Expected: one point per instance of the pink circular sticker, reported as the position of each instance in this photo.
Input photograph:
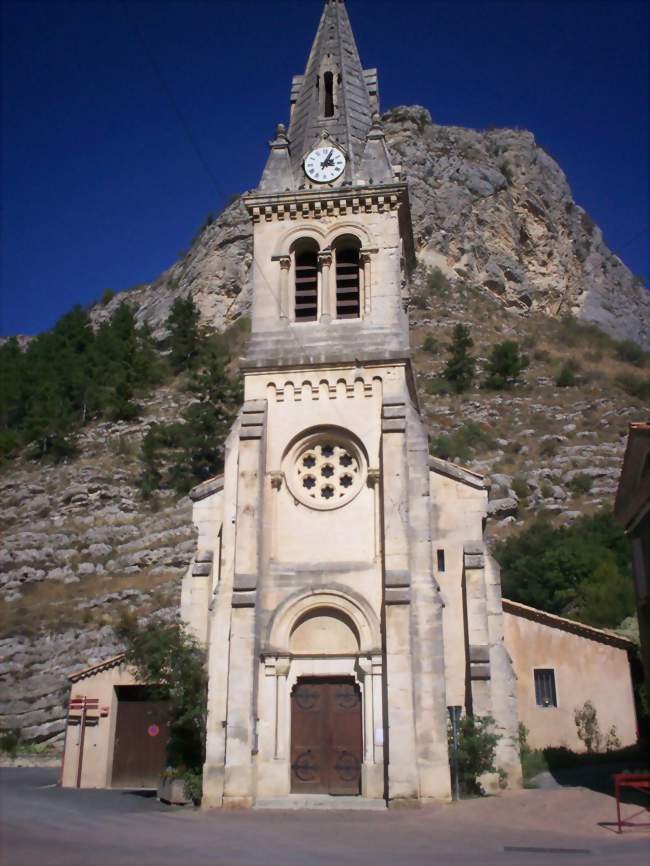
(153, 730)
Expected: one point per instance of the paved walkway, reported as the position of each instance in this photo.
(43, 825)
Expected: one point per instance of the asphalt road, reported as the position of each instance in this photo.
(43, 825)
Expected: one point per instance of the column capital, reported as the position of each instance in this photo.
(325, 257)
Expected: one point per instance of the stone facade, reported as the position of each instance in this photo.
(333, 549)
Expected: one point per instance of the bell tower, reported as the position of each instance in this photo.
(320, 604)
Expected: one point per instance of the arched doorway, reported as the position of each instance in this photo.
(321, 706)
(326, 717)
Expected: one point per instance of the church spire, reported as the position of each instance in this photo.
(335, 95)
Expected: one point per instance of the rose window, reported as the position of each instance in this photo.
(325, 472)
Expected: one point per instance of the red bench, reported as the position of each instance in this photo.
(637, 781)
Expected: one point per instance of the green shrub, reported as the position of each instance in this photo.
(10, 741)
(437, 283)
(566, 377)
(635, 386)
(581, 570)
(430, 345)
(533, 761)
(506, 170)
(549, 448)
(107, 297)
(476, 748)
(631, 353)
(462, 443)
(568, 332)
(581, 484)
(459, 369)
(420, 301)
(505, 366)
(588, 730)
(520, 487)
(437, 385)
(546, 489)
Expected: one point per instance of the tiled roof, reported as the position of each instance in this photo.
(561, 622)
(106, 665)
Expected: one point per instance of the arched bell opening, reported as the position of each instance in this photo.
(347, 254)
(305, 256)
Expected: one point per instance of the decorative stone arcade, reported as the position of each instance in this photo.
(341, 582)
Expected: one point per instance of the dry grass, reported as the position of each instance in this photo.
(57, 603)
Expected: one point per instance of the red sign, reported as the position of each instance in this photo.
(153, 730)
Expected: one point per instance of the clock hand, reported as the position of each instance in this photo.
(327, 159)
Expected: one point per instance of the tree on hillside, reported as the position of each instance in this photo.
(459, 369)
(581, 571)
(184, 453)
(184, 336)
(72, 375)
(505, 365)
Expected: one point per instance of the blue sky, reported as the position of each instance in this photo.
(125, 123)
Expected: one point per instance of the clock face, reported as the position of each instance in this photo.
(324, 164)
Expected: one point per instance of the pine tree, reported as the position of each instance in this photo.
(505, 365)
(184, 335)
(459, 369)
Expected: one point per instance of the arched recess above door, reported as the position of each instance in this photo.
(350, 610)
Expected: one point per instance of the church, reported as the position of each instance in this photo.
(342, 584)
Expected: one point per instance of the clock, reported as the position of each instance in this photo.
(324, 164)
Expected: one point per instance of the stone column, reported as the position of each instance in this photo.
(427, 643)
(273, 774)
(491, 686)
(219, 638)
(328, 291)
(400, 722)
(503, 682)
(477, 640)
(242, 710)
(285, 265)
(365, 259)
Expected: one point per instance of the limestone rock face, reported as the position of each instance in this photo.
(215, 272)
(496, 210)
(492, 209)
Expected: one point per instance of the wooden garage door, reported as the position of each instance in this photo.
(326, 744)
(141, 736)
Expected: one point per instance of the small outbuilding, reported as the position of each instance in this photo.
(560, 664)
(117, 731)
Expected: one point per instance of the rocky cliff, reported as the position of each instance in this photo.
(491, 209)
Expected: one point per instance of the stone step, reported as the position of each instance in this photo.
(296, 802)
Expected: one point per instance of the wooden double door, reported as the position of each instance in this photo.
(326, 741)
(141, 737)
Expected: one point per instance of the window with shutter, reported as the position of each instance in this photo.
(347, 282)
(306, 293)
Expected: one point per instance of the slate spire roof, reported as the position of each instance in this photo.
(334, 49)
(354, 100)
